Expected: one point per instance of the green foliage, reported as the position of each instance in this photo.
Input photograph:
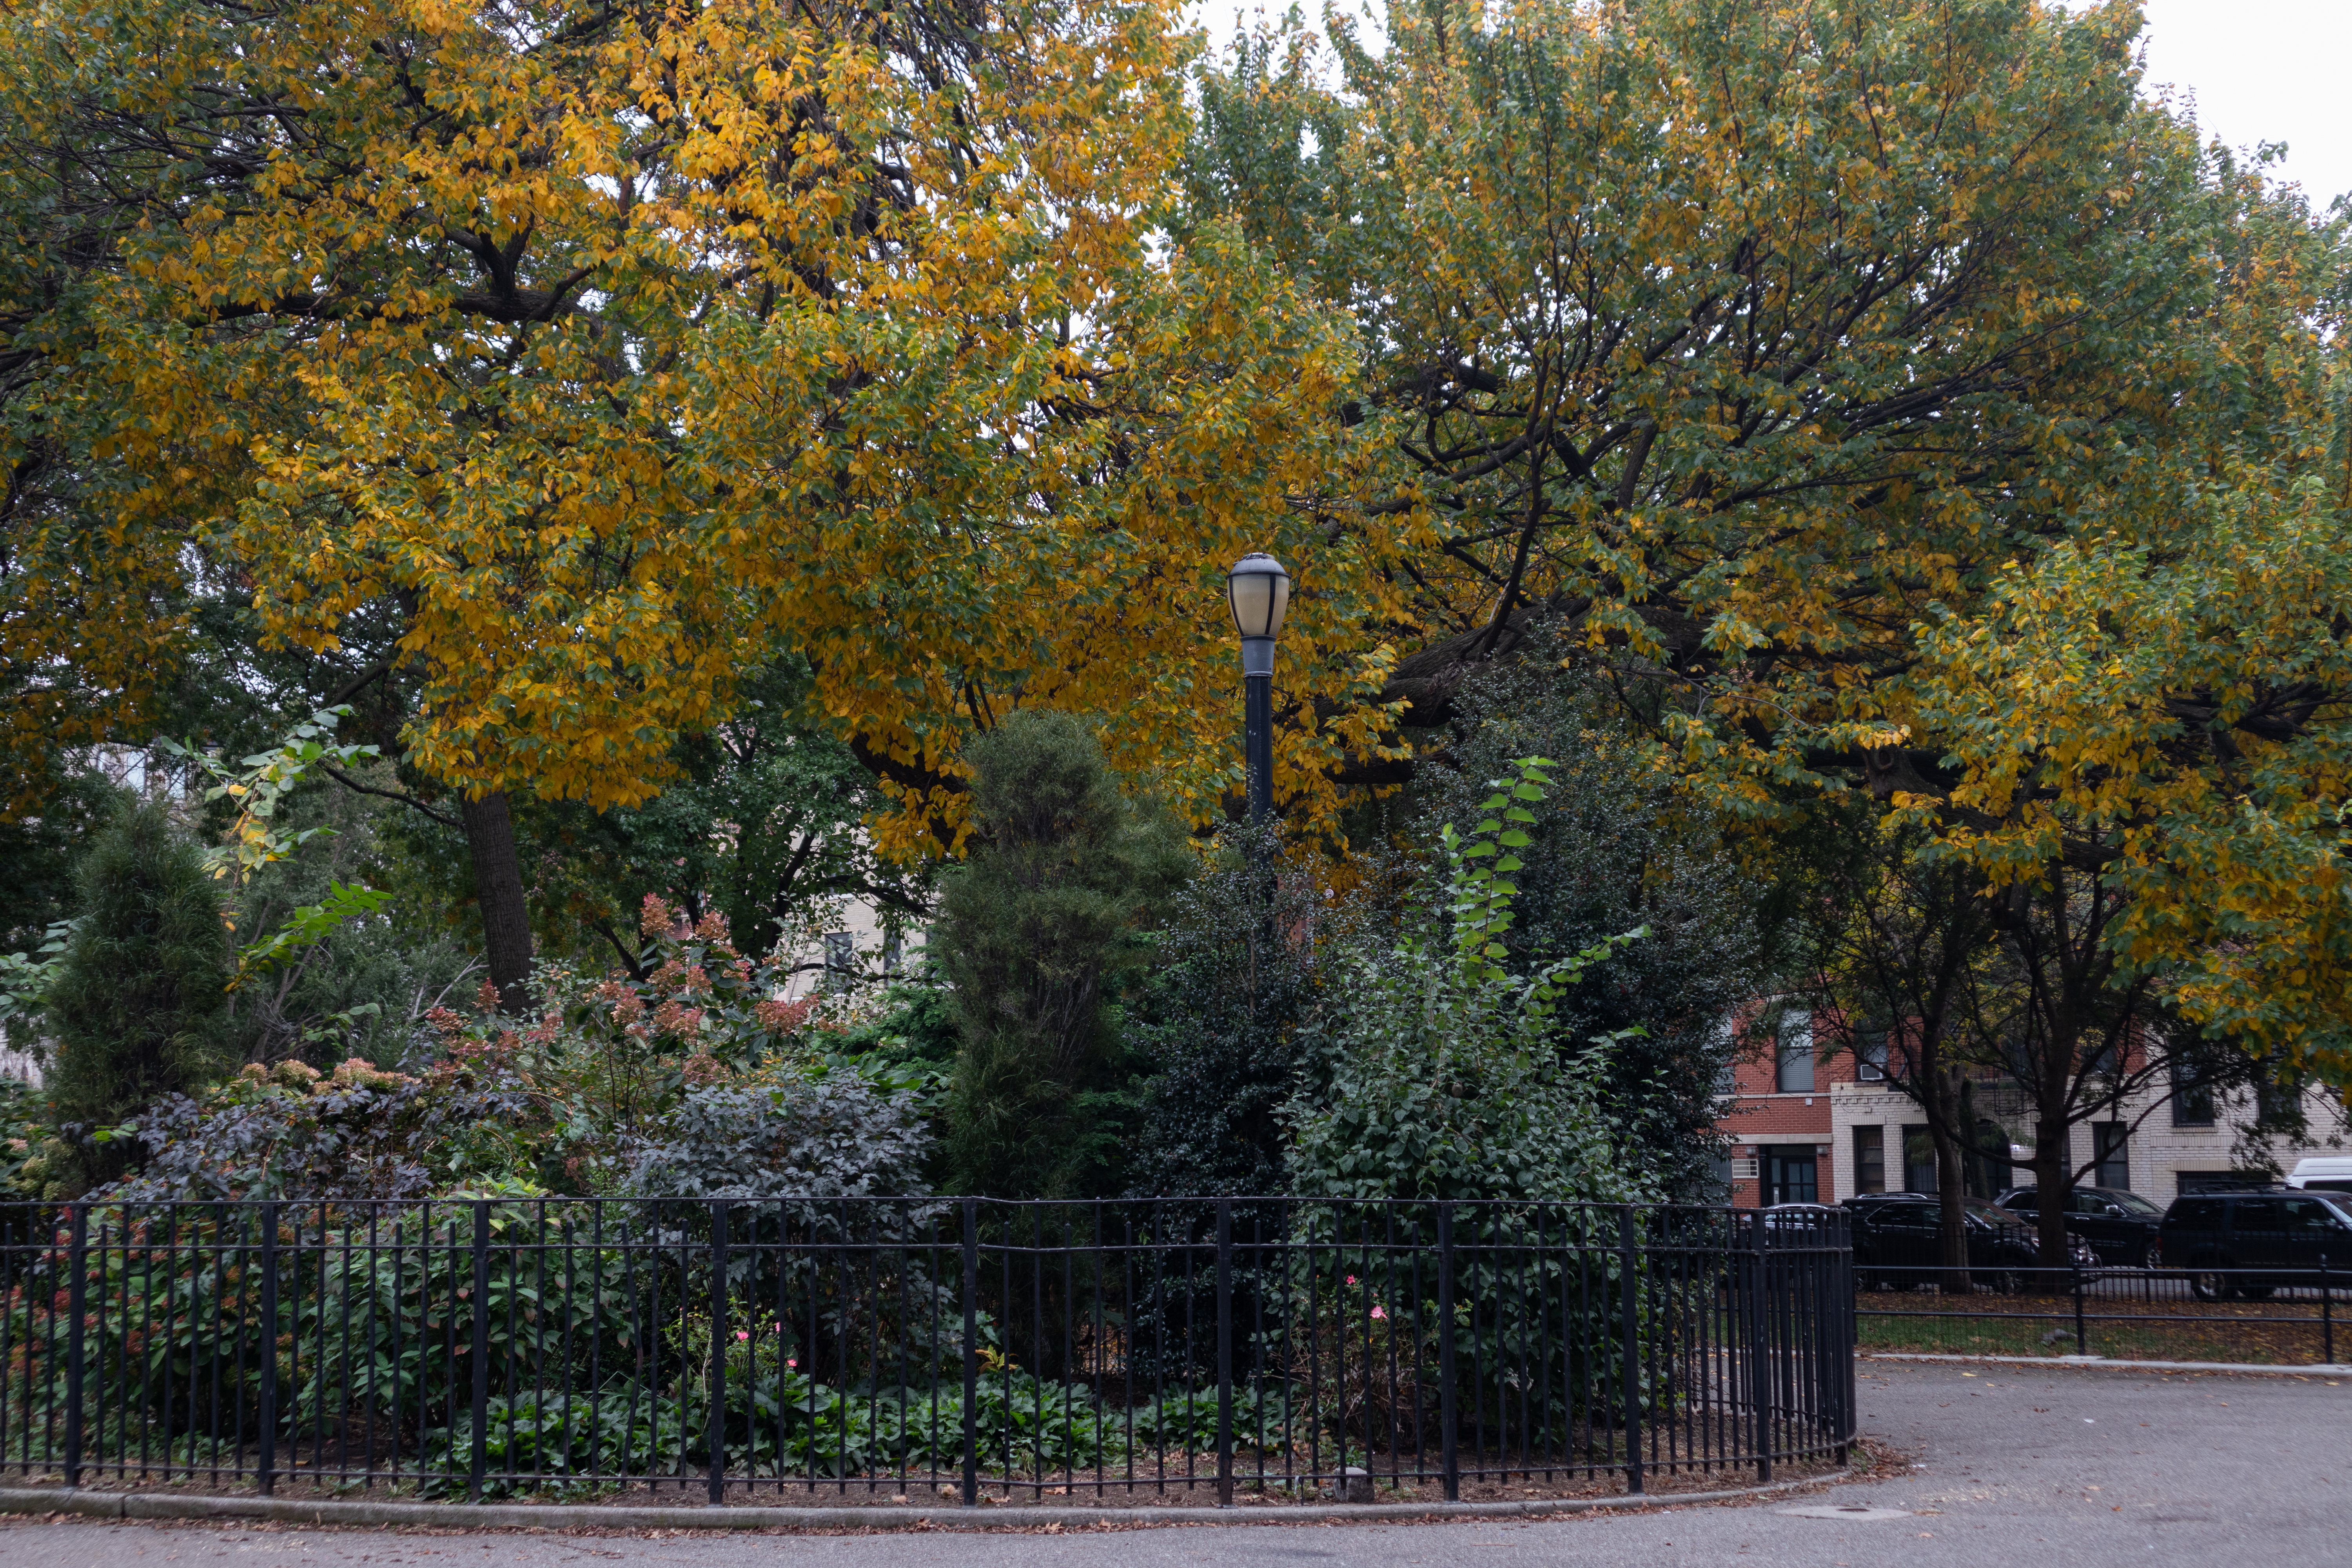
(349, 968)
(1439, 1074)
(261, 785)
(138, 1003)
(1038, 933)
(26, 978)
(38, 851)
(24, 1131)
(309, 925)
(762, 823)
(1614, 844)
(1233, 981)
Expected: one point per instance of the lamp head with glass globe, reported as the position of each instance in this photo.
(1258, 591)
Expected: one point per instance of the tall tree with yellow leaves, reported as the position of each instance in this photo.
(617, 344)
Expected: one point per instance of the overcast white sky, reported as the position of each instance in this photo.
(2261, 70)
(2264, 71)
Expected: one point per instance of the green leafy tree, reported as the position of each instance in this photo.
(1617, 843)
(138, 1003)
(763, 822)
(349, 968)
(1039, 931)
(1438, 1072)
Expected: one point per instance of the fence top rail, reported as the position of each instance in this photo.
(797, 1222)
(944, 1205)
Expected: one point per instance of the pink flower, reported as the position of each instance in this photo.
(1351, 1280)
(742, 1333)
(1379, 1312)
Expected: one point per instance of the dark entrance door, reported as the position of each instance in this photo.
(1790, 1175)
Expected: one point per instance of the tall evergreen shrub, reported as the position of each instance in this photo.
(1039, 931)
(137, 1005)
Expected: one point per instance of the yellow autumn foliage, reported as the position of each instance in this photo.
(615, 345)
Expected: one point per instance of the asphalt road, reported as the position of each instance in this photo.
(1994, 1467)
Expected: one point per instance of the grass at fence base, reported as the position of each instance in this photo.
(2254, 1333)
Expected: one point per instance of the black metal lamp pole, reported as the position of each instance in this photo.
(1258, 589)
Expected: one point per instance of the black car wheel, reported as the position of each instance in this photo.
(2006, 1281)
(2146, 1259)
(2211, 1285)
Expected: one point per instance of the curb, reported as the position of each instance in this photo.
(576, 1516)
(2324, 1369)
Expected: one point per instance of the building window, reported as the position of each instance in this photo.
(1793, 1037)
(1870, 1159)
(1790, 1175)
(1870, 1055)
(2192, 1097)
(2110, 1148)
(1918, 1161)
(893, 954)
(840, 960)
(1719, 1176)
(2277, 1098)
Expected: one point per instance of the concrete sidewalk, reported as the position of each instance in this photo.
(1982, 1465)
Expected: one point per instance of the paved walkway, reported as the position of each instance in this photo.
(1990, 1465)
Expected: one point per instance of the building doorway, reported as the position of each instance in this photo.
(1792, 1175)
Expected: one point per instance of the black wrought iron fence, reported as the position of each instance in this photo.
(889, 1345)
(2275, 1314)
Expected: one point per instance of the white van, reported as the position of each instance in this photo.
(2331, 1174)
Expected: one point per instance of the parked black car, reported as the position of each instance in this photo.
(1898, 1241)
(2276, 1237)
(2120, 1226)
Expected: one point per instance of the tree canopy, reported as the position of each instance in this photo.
(617, 344)
(1887, 395)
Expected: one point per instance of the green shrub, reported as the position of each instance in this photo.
(1038, 932)
(139, 1001)
(1436, 1072)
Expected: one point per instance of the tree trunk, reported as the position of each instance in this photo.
(497, 889)
(2053, 1169)
(1951, 1193)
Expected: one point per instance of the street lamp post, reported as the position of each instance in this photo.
(1258, 589)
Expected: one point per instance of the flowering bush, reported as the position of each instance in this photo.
(696, 1080)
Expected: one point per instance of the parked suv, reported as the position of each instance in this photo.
(2120, 1226)
(2272, 1238)
(1898, 1241)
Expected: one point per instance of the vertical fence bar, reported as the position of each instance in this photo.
(718, 1433)
(1759, 1365)
(1226, 1352)
(2326, 1313)
(1449, 1453)
(1844, 1372)
(2074, 1265)
(1629, 1359)
(970, 1352)
(268, 1348)
(480, 1459)
(76, 1304)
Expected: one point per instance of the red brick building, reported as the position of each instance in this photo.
(1776, 1111)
